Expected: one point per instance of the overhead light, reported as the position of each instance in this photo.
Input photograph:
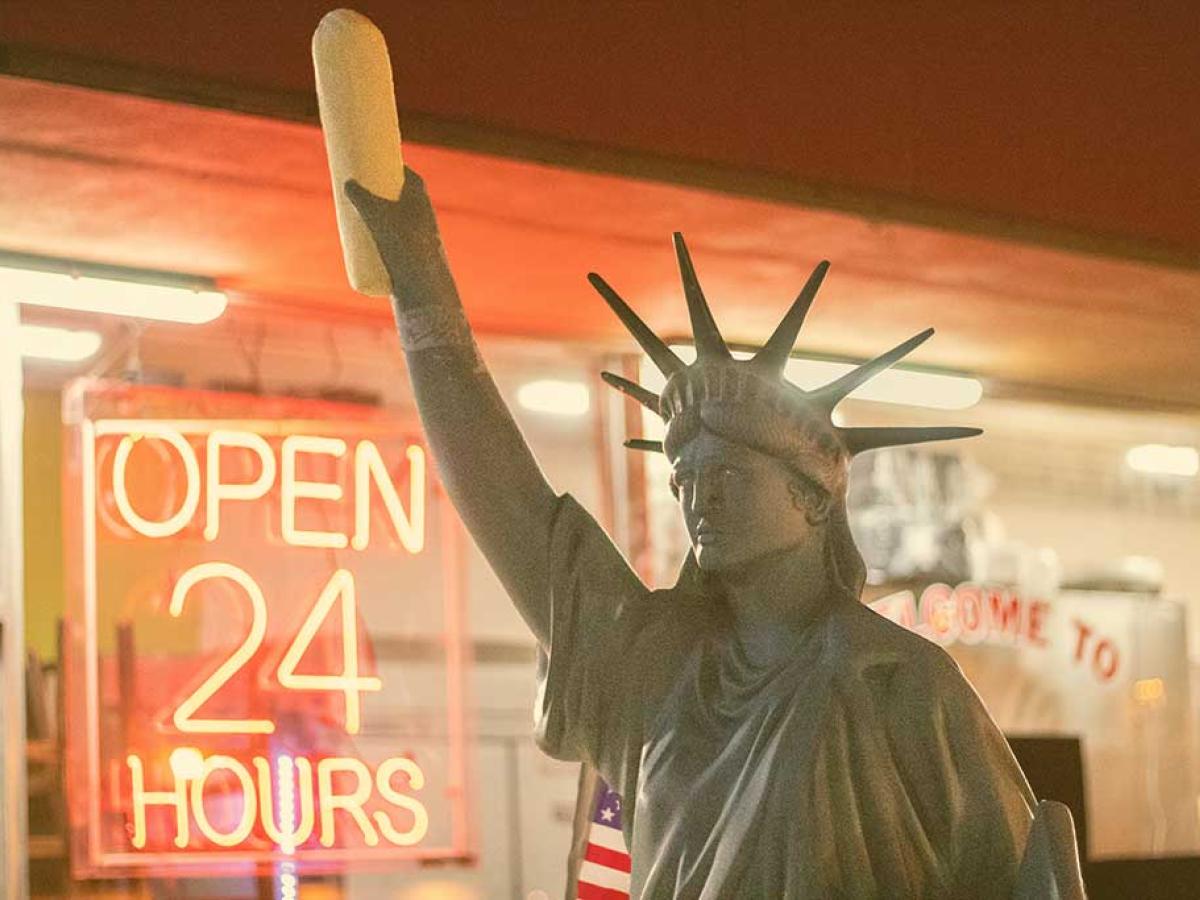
(1161, 459)
(90, 293)
(59, 344)
(934, 390)
(903, 386)
(559, 398)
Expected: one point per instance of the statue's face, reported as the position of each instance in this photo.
(738, 504)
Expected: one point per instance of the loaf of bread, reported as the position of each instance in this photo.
(357, 105)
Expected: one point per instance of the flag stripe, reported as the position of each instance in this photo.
(608, 838)
(601, 876)
(593, 892)
(614, 859)
(600, 859)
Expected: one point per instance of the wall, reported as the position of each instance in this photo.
(44, 582)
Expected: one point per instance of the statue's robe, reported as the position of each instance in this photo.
(864, 766)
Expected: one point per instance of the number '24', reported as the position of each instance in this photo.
(339, 587)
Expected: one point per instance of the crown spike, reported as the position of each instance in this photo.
(648, 446)
(648, 399)
(668, 363)
(775, 352)
(833, 393)
(858, 440)
(709, 343)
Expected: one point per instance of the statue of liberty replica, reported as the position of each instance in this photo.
(769, 735)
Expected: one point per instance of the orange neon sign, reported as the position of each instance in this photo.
(263, 654)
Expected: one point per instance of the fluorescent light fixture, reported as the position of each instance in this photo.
(903, 386)
(933, 390)
(558, 398)
(1161, 459)
(59, 344)
(89, 293)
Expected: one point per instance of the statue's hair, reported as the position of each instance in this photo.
(688, 425)
(807, 451)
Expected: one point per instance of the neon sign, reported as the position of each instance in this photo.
(984, 613)
(237, 564)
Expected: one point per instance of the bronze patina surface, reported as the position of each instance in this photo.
(769, 735)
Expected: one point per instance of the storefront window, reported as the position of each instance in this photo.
(266, 659)
(202, 721)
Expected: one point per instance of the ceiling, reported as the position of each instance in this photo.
(1048, 262)
(246, 200)
(1072, 122)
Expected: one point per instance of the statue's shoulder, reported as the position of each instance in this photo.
(873, 646)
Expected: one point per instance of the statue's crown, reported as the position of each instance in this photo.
(751, 398)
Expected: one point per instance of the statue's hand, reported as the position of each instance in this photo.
(406, 234)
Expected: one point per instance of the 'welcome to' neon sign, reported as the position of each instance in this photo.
(235, 561)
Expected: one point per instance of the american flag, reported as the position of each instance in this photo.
(603, 872)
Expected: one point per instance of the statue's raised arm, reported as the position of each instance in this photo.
(488, 470)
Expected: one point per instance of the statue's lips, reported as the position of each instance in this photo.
(706, 534)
